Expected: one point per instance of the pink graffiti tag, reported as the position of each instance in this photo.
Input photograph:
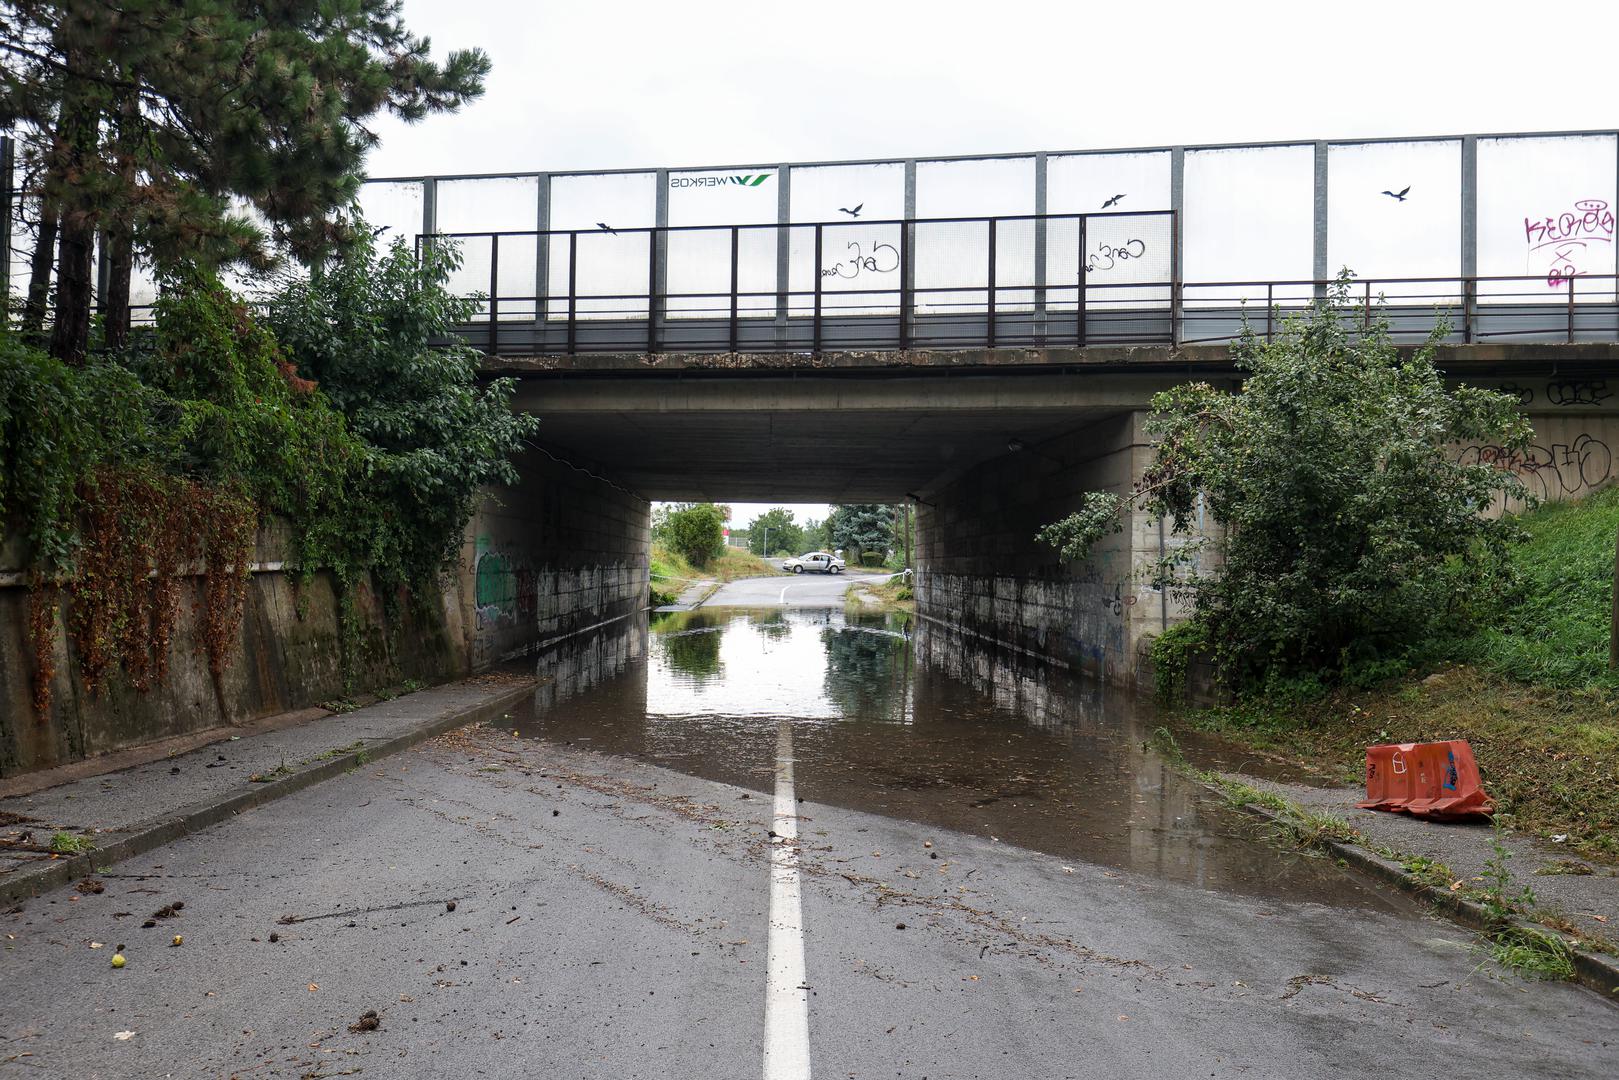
(1569, 235)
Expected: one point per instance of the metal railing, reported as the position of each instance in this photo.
(1030, 281)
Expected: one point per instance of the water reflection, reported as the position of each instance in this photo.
(916, 722)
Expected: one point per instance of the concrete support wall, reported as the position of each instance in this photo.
(289, 655)
(564, 550)
(560, 552)
(981, 571)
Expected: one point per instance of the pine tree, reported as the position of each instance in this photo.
(164, 123)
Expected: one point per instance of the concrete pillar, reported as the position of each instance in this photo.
(981, 570)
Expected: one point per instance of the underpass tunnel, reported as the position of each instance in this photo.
(986, 461)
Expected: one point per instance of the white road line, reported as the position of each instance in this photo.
(782, 599)
(786, 998)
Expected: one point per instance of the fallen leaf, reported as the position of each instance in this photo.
(97, 945)
(124, 1036)
(1123, 1017)
(1455, 885)
(313, 987)
(1600, 918)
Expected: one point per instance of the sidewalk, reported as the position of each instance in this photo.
(692, 596)
(123, 813)
(1584, 892)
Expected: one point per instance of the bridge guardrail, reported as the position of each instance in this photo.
(1035, 281)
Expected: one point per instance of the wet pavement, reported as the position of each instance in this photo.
(903, 718)
(968, 869)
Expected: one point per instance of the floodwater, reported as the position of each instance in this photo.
(911, 720)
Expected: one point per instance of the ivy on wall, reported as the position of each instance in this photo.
(126, 474)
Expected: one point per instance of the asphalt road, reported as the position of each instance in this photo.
(799, 590)
(617, 920)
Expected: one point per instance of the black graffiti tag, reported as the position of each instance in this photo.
(875, 263)
(1106, 256)
(1550, 472)
(1578, 392)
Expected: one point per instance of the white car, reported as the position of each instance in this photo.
(816, 562)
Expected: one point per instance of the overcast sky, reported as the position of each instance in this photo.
(580, 85)
(588, 85)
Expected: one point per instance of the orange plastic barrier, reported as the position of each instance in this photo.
(1438, 780)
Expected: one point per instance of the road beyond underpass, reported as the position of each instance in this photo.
(778, 843)
(800, 590)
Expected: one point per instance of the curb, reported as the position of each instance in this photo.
(1592, 970)
(160, 830)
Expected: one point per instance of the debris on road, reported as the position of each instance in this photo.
(368, 1021)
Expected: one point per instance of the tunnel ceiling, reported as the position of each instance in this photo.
(802, 446)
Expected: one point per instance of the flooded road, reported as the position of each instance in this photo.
(909, 720)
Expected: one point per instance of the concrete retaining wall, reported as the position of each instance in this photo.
(981, 571)
(560, 552)
(289, 655)
(564, 550)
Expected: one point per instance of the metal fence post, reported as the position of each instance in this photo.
(1040, 210)
(652, 303)
(991, 310)
(494, 294)
(429, 209)
(1570, 280)
(542, 254)
(784, 242)
(1177, 203)
(1319, 263)
(815, 326)
(657, 304)
(573, 291)
(1469, 237)
(1079, 302)
(735, 236)
(905, 231)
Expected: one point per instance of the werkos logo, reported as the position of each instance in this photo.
(745, 180)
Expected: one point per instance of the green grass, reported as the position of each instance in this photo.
(1556, 631)
(66, 843)
(671, 572)
(1534, 954)
(1531, 693)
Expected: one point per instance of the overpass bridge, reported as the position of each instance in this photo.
(981, 337)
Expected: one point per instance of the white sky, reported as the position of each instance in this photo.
(633, 83)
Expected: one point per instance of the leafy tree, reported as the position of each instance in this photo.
(815, 537)
(775, 530)
(157, 123)
(364, 330)
(694, 531)
(1350, 531)
(861, 527)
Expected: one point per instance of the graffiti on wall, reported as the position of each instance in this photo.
(881, 259)
(1562, 393)
(1571, 242)
(1558, 471)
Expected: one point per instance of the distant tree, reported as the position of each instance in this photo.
(775, 530)
(814, 539)
(861, 527)
(1352, 530)
(155, 123)
(695, 531)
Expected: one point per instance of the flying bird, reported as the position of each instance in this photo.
(1113, 201)
(604, 227)
(855, 212)
(1398, 196)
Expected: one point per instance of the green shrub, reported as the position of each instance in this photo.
(1349, 528)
